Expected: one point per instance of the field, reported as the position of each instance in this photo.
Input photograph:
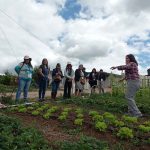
(86, 123)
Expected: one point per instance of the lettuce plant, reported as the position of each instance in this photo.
(101, 126)
(118, 123)
(93, 113)
(52, 109)
(144, 128)
(79, 115)
(30, 108)
(78, 110)
(109, 117)
(45, 106)
(78, 121)
(22, 110)
(129, 119)
(125, 133)
(147, 123)
(35, 112)
(97, 118)
(47, 115)
(67, 109)
(62, 117)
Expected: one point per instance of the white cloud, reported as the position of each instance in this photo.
(97, 38)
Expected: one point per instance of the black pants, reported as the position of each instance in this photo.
(67, 89)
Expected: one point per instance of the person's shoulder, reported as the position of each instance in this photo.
(20, 64)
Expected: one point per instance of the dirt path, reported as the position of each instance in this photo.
(34, 94)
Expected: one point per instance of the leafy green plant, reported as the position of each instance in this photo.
(67, 109)
(14, 136)
(101, 126)
(78, 122)
(144, 128)
(21, 106)
(80, 115)
(45, 106)
(78, 110)
(129, 119)
(118, 123)
(47, 115)
(62, 117)
(109, 117)
(23, 110)
(97, 118)
(93, 113)
(53, 109)
(64, 113)
(35, 113)
(125, 133)
(30, 108)
(40, 109)
(36, 105)
(84, 143)
(147, 123)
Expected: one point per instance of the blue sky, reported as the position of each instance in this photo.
(96, 33)
(70, 10)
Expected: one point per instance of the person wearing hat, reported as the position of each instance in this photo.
(56, 79)
(24, 71)
(68, 78)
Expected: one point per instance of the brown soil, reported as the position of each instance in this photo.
(54, 130)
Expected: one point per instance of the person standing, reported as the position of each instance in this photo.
(56, 79)
(24, 71)
(43, 74)
(93, 80)
(79, 80)
(68, 78)
(133, 83)
(101, 81)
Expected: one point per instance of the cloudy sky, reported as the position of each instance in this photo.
(95, 33)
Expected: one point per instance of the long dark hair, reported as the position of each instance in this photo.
(43, 62)
(132, 58)
(28, 63)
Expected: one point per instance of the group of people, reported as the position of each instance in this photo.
(25, 71)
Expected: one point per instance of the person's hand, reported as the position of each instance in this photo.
(113, 68)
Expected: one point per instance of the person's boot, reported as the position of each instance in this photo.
(52, 95)
(55, 93)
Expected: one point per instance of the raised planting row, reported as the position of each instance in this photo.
(124, 127)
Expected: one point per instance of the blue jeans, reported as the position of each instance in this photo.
(42, 88)
(23, 85)
(55, 86)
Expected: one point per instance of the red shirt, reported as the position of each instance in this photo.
(131, 71)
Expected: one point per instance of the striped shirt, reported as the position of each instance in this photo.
(131, 71)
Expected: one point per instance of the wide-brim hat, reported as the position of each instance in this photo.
(27, 57)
